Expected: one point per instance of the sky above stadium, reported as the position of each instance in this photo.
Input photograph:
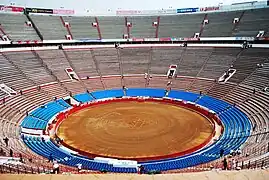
(118, 4)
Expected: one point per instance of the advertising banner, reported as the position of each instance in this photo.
(39, 10)
(137, 39)
(145, 12)
(63, 11)
(167, 11)
(128, 12)
(177, 39)
(151, 39)
(165, 39)
(187, 10)
(245, 38)
(212, 8)
(11, 8)
(89, 40)
(191, 39)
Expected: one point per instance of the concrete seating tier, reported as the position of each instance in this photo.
(81, 27)
(200, 85)
(108, 62)
(135, 81)
(180, 26)
(82, 62)
(163, 57)
(56, 62)
(93, 84)
(112, 27)
(112, 82)
(245, 65)
(142, 26)
(256, 18)
(223, 20)
(182, 83)
(135, 61)
(16, 28)
(220, 90)
(11, 76)
(30, 66)
(50, 27)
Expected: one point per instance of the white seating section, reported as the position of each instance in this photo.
(50, 27)
(81, 27)
(220, 24)
(142, 26)
(180, 26)
(15, 27)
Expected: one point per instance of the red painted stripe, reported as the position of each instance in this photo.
(157, 27)
(127, 27)
(98, 28)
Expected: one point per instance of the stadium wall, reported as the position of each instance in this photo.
(210, 175)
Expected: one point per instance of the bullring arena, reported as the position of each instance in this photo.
(150, 94)
(135, 130)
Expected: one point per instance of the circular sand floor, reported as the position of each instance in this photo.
(134, 129)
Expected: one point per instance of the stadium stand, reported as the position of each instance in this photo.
(112, 27)
(160, 61)
(40, 81)
(223, 20)
(107, 61)
(33, 69)
(114, 82)
(200, 85)
(219, 61)
(134, 81)
(256, 18)
(56, 62)
(12, 76)
(51, 27)
(81, 27)
(239, 122)
(229, 91)
(142, 27)
(137, 64)
(82, 62)
(220, 24)
(15, 26)
(179, 26)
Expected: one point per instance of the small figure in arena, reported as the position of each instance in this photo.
(21, 159)
(141, 169)
(6, 141)
(11, 153)
(50, 158)
(56, 168)
(225, 164)
(2, 153)
(79, 167)
(221, 153)
(233, 164)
